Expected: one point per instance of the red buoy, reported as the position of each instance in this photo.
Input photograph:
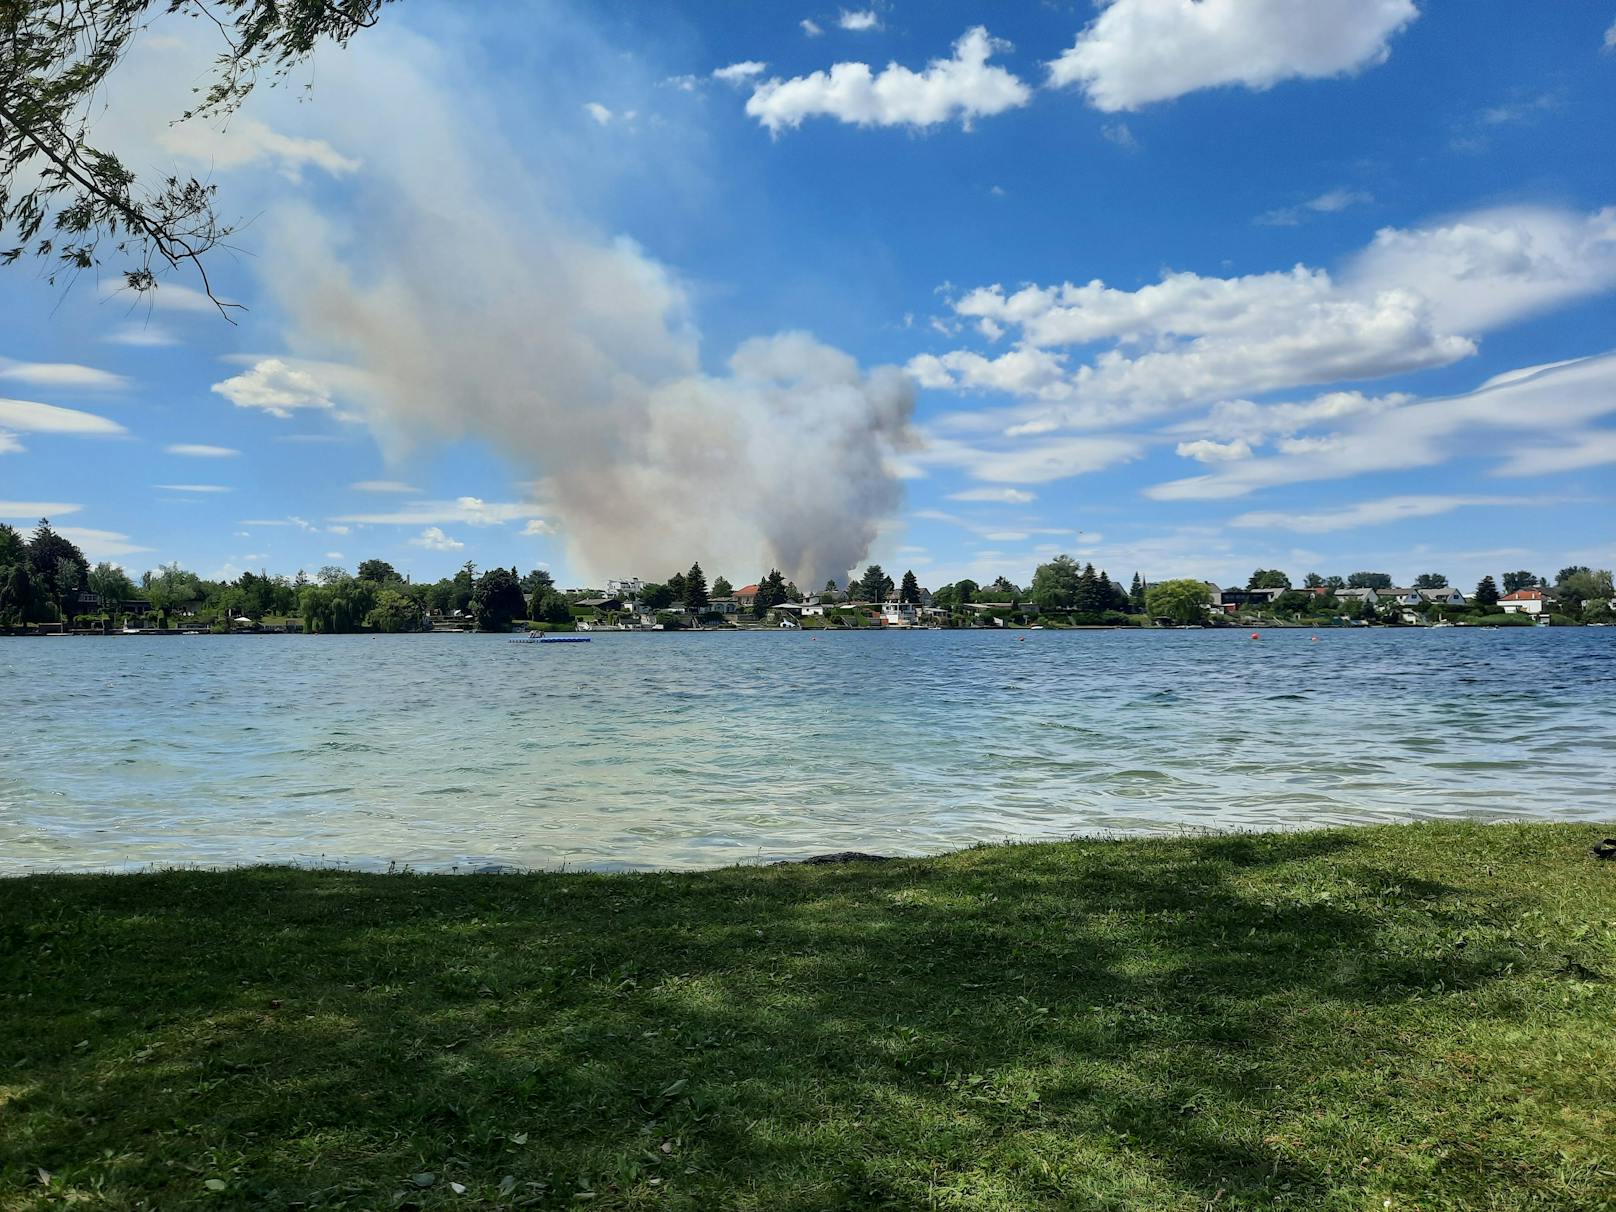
(1256, 636)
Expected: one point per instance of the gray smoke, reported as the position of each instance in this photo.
(477, 309)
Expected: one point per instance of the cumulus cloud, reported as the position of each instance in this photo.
(740, 73)
(276, 387)
(859, 20)
(1520, 417)
(1610, 37)
(1413, 299)
(1377, 512)
(964, 86)
(433, 539)
(598, 112)
(63, 375)
(810, 27)
(196, 450)
(538, 527)
(1204, 451)
(1141, 51)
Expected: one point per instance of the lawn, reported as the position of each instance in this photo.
(1405, 1017)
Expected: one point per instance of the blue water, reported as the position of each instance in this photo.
(663, 750)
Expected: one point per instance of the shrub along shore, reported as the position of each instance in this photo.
(1394, 1017)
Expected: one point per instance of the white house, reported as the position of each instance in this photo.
(629, 588)
(1367, 596)
(1526, 601)
(899, 614)
(1447, 595)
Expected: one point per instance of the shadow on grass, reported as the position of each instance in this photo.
(1097, 1025)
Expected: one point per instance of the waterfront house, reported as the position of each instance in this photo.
(746, 596)
(628, 588)
(725, 606)
(1367, 596)
(1527, 601)
(1447, 595)
(899, 614)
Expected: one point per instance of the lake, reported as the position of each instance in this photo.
(695, 750)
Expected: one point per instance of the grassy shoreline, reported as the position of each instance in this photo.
(1402, 1016)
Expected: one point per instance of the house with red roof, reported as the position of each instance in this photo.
(745, 596)
(1527, 601)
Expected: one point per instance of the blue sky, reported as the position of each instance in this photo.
(1182, 288)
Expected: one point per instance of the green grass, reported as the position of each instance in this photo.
(1406, 1017)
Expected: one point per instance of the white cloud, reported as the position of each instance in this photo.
(1006, 496)
(1376, 512)
(1413, 299)
(810, 27)
(383, 486)
(1253, 423)
(244, 141)
(9, 444)
(1140, 51)
(25, 416)
(433, 539)
(1610, 37)
(1494, 266)
(538, 526)
(1515, 416)
(29, 511)
(1120, 134)
(62, 375)
(1037, 461)
(859, 21)
(194, 450)
(963, 86)
(337, 529)
(276, 387)
(598, 112)
(148, 336)
(167, 296)
(100, 544)
(1325, 204)
(1563, 452)
(470, 511)
(334, 555)
(1205, 451)
(740, 73)
(201, 488)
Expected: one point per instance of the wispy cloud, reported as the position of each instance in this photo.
(62, 375)
(196, 450)
(390, 486)
(1377, 512)
(1330, 203)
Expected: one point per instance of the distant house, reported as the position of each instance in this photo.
(1404, 597)
(723, 606)
(899, 614)
(1526, 601)
(745, 596)
(813, 608)
(603, 605)
(1367, 596)
(627, 587)
(1447, 595)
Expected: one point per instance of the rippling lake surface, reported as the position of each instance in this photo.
(689, 750)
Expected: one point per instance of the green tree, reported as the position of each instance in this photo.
(1182, 601)
(1089, 599)
(678, 587)
(63, 197)
(536, 580)
(111, 584)
(909, 591)
(872, 585)
(1334, 584)
(393, 612)
(696, 590)
(1486, 594)
(1268, 578)
(966, 591)
(12, 548)
(379, 572)
(1580, 585)
(1055, 584)
(22, 600)
(722, 588)
(1292, 601)
(771, 592)
(550, 607)
(1136, 593)
(1004, 588)
(1519, 580)
(1369, 580)
(332, 574)
(497, 601)
(655, 597)
(1431, 580)
(1313, 581)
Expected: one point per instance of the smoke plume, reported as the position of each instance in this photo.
(477, 307)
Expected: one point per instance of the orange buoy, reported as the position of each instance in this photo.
(1256, 635)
